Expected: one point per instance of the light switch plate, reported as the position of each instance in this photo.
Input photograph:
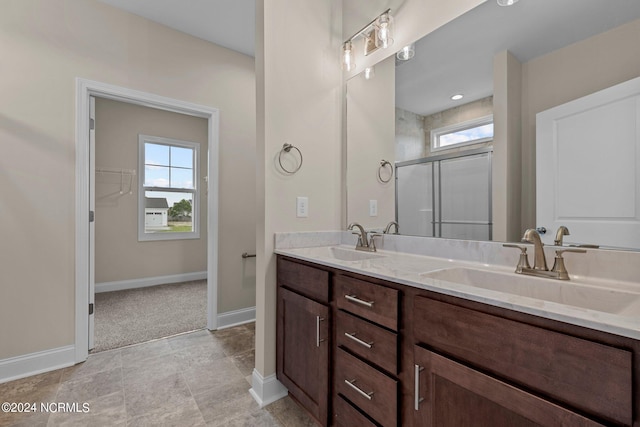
(373, 208)
(302, 207)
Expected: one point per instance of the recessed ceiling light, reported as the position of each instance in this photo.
(507, 2)
(457, 96)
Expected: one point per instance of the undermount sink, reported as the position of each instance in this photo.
(344, 254)
(562, 292)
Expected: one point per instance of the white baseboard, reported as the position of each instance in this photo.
(149, 281)
(236, 317)
(266, 390)
(27, 365)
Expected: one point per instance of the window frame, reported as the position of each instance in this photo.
(142, 190)
(469, 124)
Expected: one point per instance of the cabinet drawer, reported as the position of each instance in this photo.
(367, 340)
(308, 281)
(589, 376)
(369, 389)
(345, 415)
(373, 302)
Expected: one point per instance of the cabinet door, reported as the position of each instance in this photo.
(303, 351)
(450, 394)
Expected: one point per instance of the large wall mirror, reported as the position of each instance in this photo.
(466, 167)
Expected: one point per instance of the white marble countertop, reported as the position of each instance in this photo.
(609, 306)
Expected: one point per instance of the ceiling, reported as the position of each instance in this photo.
(458, 57)
(228, 23)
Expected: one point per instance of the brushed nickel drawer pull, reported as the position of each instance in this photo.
(318, 340)
(358, 340)
(357, 300)
(416, 389)
(359, 390)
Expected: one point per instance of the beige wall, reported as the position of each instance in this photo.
(119, 255)
(299, 102)
(566, 74)
(45, 45)
(370, 136)
(506, 168)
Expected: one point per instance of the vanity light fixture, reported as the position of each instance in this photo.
(384, 30)
(457, 97)
(348, 62)
(377, 33)
(407, 52)
(369, 73)
(507, 2)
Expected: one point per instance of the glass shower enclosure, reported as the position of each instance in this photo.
(446, 196)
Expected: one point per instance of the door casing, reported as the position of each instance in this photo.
(84, 90)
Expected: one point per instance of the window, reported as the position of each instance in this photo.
(168, 199)
(471, 132)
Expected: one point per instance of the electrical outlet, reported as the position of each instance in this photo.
(373, 208)
(302, 207)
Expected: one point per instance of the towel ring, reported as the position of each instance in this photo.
(383, 164)
(285, 149)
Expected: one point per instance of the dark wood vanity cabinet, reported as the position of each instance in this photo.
(396, 355)
(450, 394)
(586, 376)
(366, 357)
(304, 336)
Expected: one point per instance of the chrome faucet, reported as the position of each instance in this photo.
(362, 236)
(364, 243)
(562, 231)
(559, 271)
(387, 229)
(539, 260)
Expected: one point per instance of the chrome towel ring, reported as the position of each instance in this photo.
(285, 149)
(383, 164)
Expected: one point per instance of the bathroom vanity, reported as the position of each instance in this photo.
(376, 340)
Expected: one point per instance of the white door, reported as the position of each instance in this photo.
(92, 209)
(588, 168)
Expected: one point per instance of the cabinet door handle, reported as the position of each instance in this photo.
(363, 393)
(357, 300)
(416, 390)
(358, 340)
(318, 340)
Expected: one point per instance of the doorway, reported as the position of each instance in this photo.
(85, 249)
(150, 237)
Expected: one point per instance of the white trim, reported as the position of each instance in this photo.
(266, 390)
(27, 365)
(144, 282)
(85, 89)
(233, 318)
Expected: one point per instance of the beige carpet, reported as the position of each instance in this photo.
(139, 315)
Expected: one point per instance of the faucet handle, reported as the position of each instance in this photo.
(523, 249)
(372, 242)
(559, 252)
(558, 264)
(523, 262)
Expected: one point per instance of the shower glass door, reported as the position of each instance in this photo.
(446, 196)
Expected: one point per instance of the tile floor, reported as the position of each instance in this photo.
(197, 379)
